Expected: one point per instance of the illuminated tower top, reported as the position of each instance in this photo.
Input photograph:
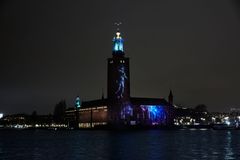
(77, 102)
(118, 42)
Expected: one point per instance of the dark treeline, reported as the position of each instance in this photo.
(58, 117)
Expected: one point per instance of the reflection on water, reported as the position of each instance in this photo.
(101, 145)
(228, 148)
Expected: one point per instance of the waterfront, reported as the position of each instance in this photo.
(151, 144)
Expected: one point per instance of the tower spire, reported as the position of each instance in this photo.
(118, 41)
(118, 24)
(170, 97)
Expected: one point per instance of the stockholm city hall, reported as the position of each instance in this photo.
(119, 109)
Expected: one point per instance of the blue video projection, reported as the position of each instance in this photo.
(126, 111)
(155, 113)
(121, 81)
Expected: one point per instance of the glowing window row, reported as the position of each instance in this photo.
(88, 125)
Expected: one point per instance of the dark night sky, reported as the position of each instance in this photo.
(53, 50)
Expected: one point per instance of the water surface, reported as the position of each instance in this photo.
(134, 145)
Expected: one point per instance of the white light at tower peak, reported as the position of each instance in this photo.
(118, 35)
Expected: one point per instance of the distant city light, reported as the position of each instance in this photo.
(226, 118)
(228, 123)
(1, 115)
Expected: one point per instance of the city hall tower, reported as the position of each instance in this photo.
(118, 84)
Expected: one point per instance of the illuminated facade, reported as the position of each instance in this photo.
(118, 85)
(119, 109)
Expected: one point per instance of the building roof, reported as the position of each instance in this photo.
(94, 103)
(148, 101)
(134, 101)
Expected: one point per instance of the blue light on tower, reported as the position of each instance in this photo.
(77, 102)
(118, 42)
